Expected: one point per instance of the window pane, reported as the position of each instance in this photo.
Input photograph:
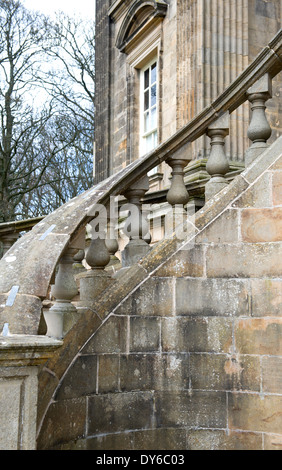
(146, 78)
(153, 95)
(146, 100)
(154, 73)
(146, 122)
(154, 118)
(155, 139)
(149, 143)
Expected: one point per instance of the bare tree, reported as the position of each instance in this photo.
(46, 150)
(21, 36)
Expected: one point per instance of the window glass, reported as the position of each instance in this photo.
(149, 111)
(146, 78)
(153, 95)
(154, 73)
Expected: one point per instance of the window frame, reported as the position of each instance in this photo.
(154, 130)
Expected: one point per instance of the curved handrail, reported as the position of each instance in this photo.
(25, 271)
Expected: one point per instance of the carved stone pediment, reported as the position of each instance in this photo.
(140, 16)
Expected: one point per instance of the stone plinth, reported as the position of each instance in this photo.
(20, 356)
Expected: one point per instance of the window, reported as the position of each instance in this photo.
(149, 107)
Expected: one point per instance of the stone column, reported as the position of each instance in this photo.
(20, 358)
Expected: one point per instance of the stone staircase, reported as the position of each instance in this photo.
(181, 348)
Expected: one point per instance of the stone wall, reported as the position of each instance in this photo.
(192, 357)
(203, 46)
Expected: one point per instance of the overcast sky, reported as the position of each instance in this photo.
(82, 7)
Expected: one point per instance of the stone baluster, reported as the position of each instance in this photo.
(259, 130)
(136, 226)
(112, 246)
(177, 195)
(63, 314)
(96, 279)
(217, 165)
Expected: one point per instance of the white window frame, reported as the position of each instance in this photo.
(152, 130)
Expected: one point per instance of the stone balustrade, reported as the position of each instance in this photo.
(254, 85)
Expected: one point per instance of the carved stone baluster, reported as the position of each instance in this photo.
(136, 226)
(112, 246)
(177, 195)
(217, 165)
(63, 314)
(94, 280)
(259, 130)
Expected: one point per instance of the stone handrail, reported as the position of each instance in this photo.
(28, 268)
(10, 231)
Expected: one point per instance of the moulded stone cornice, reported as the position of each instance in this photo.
(27, 350)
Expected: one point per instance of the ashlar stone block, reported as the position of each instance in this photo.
(261, 225)
(212, 297)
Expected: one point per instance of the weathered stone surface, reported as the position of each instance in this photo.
(272, 374)
(277, 188)
(224, 372)
(160, 439)
(266, 297)
(108, 373)
(188, 261)
(217, 297)
(253, 412)
(244, 260)
(196, 334)
(221, 201)
(138, 372)
(272, 442)
(118, 441)
(111, 338)
(144, 334)
(80, 380)
(35, 274)
(153, 297)
(277, 165)
(191, 409)
(120, 412)
(154, 372)
(70, 426)
(220, 440)
(257, 195)
(261, 225)
(262, 163)
(223, 230)
(18, 397)
(20, 316)
(259, 336)
(113, 296)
